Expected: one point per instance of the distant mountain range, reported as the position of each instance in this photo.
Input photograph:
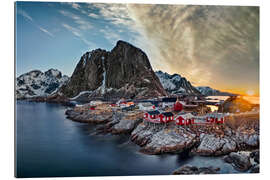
(176, 84)
(125, 71)
(208, 91)
(38, 84)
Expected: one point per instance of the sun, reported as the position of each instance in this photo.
(250, 92)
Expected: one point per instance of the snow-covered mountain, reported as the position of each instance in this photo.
(38, 84)
(208, 91)
(175, 84)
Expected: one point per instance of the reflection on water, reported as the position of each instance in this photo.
(49, 145)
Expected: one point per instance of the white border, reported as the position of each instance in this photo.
(7, 87)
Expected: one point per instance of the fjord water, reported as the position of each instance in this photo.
(49, 145)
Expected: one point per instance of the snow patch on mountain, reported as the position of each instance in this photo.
(176, 84)
(38, 84)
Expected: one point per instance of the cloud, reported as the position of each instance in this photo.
(46, 31)
(28, 17)
(117, 14)
(210, 45)
(75, 5)
(25, 15)
(76, 32)
(82, 23)
(93, 15)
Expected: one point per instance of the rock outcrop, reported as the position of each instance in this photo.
(235, 104)
(125, 71)
(239, 160)
(159, 139)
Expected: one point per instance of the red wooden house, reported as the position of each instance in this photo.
(92, 107)
(185, 119)
(218, 119)
(166, 117)
(152, 116)
(178, 106)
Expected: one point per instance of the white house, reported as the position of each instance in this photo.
(146, 106)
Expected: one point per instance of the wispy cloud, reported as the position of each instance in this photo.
(82, 23)
(75, 5)
(25, 15)
(93, 15)
(28, 17)
(117, 14)
(46, 31)
(210, 45)
(76, 32)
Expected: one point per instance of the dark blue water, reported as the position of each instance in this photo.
(49, 145)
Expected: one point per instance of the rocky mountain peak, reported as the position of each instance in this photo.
(54, 73)
(125, 71)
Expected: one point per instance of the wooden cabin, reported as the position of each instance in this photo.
(185, 119)
(152, 116)
(166, 117)
(178, 106)
(215, 118)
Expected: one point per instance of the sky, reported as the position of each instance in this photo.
(216, 46)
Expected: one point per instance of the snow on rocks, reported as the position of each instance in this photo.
(175, 84)
(166, 141)
(81, 94)
(38, 84)
(209, 145)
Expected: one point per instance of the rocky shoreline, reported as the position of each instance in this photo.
(203, 140)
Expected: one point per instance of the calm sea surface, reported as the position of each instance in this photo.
(49, 145)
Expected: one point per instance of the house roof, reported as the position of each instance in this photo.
(153, 112)
(186, 116)
(146, 104)
(167, 114)
(169, 99)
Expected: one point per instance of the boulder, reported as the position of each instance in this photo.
(255, 168)
(210, 145)
(168, 140)
(125, 126)
(239, 160)
(256, 156)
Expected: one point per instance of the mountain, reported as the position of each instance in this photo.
(175, 84)
(38, 84)
(208, 91)
(125, 71)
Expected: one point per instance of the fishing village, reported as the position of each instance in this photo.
(181, 124)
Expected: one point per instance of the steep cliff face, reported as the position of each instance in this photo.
(123, 72)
